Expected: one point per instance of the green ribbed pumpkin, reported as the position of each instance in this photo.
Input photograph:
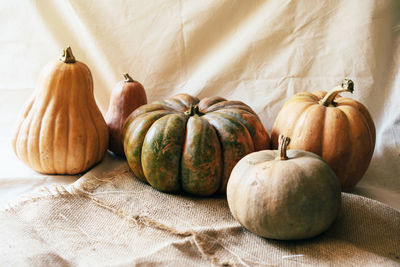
(184, 144)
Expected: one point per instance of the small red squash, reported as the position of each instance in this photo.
(126, 96)
(183, 144)
(338, 129)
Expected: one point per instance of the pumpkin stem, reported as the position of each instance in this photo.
(193, 110)
(67, 56)
(283, 144)
(346, 86)
(128, 78)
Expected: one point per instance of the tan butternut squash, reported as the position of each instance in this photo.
(61, 130)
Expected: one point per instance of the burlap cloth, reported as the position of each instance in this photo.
(110, 218)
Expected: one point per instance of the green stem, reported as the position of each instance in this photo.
(193, 110)
(67, 56)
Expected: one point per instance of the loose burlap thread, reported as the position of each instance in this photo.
(110, 218)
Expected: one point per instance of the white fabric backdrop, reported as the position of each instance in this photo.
(260, 52)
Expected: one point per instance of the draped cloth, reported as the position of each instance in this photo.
(259, 52)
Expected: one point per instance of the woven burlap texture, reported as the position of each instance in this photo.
(109, 218)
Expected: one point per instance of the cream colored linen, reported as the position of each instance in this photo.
(260, 52)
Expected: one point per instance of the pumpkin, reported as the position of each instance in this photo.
(61, 130)
(284, 194)
(184, 144)
(338, 129)
(126, 96)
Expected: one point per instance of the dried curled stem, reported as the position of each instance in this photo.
(346, 86)
(283, 144)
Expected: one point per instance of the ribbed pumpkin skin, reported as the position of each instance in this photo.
(194, 153)
(61, 130)
(343, 135)
(288, 199)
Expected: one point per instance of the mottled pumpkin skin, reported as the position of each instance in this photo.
(290, 199)
(342, 134)
(175, 151)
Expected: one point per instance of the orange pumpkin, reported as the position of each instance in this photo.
(338, 129)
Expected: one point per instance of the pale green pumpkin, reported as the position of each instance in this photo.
(283, 194)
